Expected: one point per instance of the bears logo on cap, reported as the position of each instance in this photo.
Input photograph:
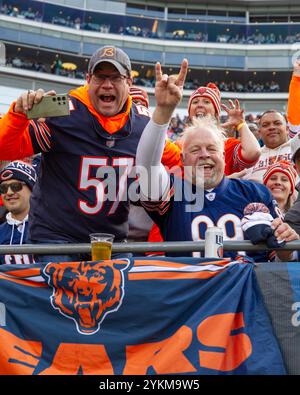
(108, 52)
(113, 55)
(6, 175)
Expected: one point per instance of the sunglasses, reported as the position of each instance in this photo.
(14, 186)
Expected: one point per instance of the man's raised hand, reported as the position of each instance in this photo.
(235, 115)
(168, 92)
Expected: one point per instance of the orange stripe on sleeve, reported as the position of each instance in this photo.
(293, 113)
(15, 141)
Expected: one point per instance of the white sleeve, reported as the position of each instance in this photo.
(153, 177)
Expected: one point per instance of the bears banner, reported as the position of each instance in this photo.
(135, 317)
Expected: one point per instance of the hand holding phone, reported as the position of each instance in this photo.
(50, 106)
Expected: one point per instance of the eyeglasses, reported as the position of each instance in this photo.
(14, 186)
(99, 79)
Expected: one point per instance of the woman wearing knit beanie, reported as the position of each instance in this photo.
(240, 153)
(280, 178)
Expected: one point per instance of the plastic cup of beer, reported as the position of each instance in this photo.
(101, 244)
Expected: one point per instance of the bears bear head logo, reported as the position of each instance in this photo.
(86, 291)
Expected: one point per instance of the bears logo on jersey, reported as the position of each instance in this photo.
(87, 291)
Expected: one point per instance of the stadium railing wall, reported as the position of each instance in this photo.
(137, 247)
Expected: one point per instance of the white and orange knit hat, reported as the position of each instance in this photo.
(285, 167)
(139, 95)
(210, 91)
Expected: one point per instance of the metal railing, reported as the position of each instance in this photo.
(138, 247)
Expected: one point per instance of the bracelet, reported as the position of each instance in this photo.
(240, 125)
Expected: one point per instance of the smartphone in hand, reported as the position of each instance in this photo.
(50, 106)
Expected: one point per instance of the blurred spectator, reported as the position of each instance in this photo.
(251, 118)
(175, 128)
(56, 67)
(77, 23)
(254, 129)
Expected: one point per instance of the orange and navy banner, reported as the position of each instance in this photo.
(135, 317)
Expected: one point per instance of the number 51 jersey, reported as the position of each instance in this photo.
(80, 161)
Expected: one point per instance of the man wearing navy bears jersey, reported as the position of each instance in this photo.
(79, 154)
(224, 199)
(16, 182)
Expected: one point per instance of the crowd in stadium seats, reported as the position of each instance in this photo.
(28, 13)
(258, 38)
(57, 68)
(249, 87)
(237, 86)
(54, 68)
(140, 27)
(27, 65)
